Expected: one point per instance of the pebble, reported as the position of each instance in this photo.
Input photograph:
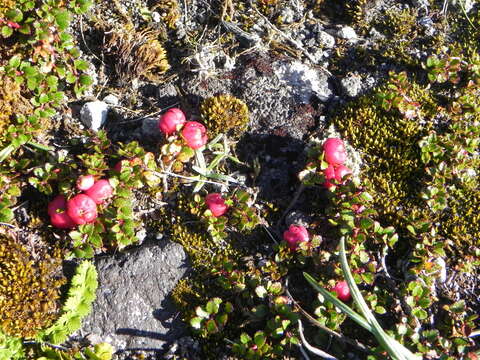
(325, 39)
(111, 100)
(94, 114)
(351, 85)
(347, 33)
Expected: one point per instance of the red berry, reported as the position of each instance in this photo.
(329, 173)
(100, 191)
(294, 235)
(58, 204)
(334, 151)
(195, 134)
(82, 209)
(169, 122)
(85, 182)
(216, 204)
(62, 221)
(342, 290)
(341, 171)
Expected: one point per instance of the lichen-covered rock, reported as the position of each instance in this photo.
(133, 309)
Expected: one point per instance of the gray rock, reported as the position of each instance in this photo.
(325, 39)
(351, 85)
(111, 100)
(94, 114)
(150, 129)
(347, 33)
(132, 309)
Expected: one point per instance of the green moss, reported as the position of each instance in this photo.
(391, 156)
(225, 114)
(29, 291)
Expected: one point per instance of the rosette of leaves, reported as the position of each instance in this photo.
(225, 114)
(81, 295)
(137, 54)
(29, 291)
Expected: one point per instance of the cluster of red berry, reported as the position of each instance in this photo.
(194, 133)
(335, 156)
(82, 208)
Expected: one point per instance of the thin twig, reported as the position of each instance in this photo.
(163, 173)
(9, 225)
(312, 349)
(85, 43)
(28, 342)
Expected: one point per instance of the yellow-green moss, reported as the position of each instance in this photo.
(11, 102)
(391, 156)
(6, 5)
(225, 114)
(29, 290)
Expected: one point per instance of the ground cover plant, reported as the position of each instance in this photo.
(366, 248)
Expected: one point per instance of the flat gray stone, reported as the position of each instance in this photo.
(133, 309)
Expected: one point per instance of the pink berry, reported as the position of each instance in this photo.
(58, 215)
(341, 171)
(82, 209)
(295, 235)
(329, 173)
(342, 290)
(170, 120)
(216, 204)
(334, 151)
(58, 204)
(100, 191)
(195, 134)
(62, 221)
(85, 182)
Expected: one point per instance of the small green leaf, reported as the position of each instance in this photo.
(6, 31)
(14, 62)
(196, 323)
(259, 338)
